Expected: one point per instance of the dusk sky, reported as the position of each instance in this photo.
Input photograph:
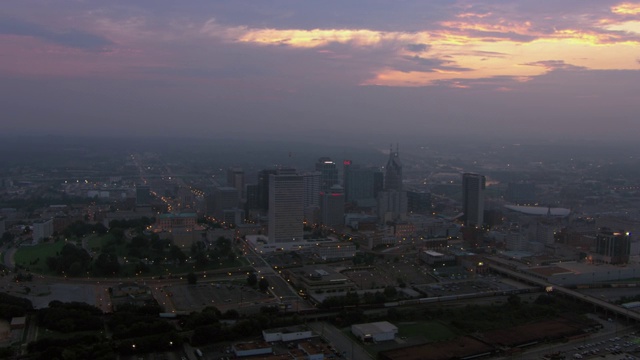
(561, 69)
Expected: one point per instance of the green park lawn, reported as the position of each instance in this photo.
(35, 257)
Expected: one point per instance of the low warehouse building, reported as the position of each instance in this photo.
(251, 348)
(287, 334)
(375, 332)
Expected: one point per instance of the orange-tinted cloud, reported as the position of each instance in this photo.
(462, 48)
(626, 9)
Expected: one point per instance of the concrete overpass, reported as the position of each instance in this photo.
(534, 280)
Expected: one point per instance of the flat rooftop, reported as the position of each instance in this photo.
(582, 268)
(376, 327)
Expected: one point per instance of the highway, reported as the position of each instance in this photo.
(496, 266)
(343, 343)
(278, 286)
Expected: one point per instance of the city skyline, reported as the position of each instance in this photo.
(283, 70)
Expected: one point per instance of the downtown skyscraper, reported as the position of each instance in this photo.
(286, 211)
(473, 186)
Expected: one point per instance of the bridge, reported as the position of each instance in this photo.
(499, 267)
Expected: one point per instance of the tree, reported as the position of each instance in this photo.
(118, 233)
(390, 292)
(263, 285)
(514, 300)
(139, 242)
(71, 260)
(7, 237)
(252, 279)
(106, 264)
(192, 278)
(177, 254)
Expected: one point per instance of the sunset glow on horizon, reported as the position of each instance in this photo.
(248, 55)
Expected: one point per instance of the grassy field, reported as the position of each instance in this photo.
(35, 257)
(432, 330)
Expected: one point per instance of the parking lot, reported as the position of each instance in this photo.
(465, 287)
(615, 345)
(223, 295)
(389, 274)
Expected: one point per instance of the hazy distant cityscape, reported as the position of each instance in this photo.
(324, 240)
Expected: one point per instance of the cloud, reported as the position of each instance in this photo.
(417, 48)
(435, 65)
(626, 9)
(71, 38)
(552, 65)
(465, 41)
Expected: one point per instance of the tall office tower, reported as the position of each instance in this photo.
(286, 212)
(143, 195)
(224, 198)
(392, 205)
(235, 179)
(329, 171)
(393, 172)
(251, 193)
(418, 202)
(545, 233)
(612, 247)
(473, 186)
(362, 184)
(332, 207)
(515, 239)
(263, 188)
(312, 190)
(346, 167)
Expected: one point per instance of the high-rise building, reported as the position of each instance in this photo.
(612, 247)
(263, 188)
(251, 194)
(418, 202)
(391, 205)
(393, 172)
(515, 239)
(332, 207)
(473, 186)
(224, 198)
(362, 184)
(312, 189)
(392, 202)
(329, 171)
(545, 233)
(286, 212)
(143, 195)
(235, 179)
(346, 167)
(42, 229)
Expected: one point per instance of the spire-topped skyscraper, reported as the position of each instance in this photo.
(392, 202)
(393, 171)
